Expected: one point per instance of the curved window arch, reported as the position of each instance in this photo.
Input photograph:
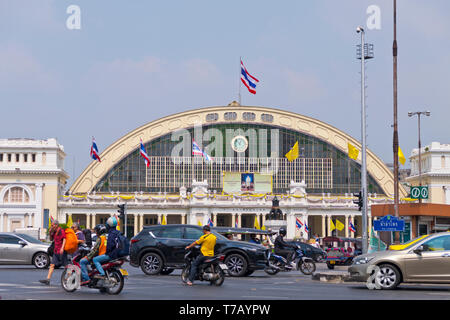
(16, 195)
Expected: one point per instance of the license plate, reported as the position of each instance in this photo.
(332, 262)
(123, 272)
(223, 266)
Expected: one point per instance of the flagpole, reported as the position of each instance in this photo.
(240, 70)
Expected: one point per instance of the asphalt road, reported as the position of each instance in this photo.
(22, 283)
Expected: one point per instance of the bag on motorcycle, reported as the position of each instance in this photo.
(88, 236)
(123, 244)
(71, 241)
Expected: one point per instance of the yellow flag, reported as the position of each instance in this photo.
(401, 157)
(69, 221)
(352, 152)
(256, 223)
(199, 223)
(339, 225)
(163, 222)
(263, 228)
(293, 153)
(332, 227)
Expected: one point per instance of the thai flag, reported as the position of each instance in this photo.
(94, 151)
(144, 155)
(196, 151)
(210, 223)
(236, 224)
(352, 227)
(306, 228)
(298, 223)
(248, 80)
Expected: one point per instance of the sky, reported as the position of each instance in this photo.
(132, 62)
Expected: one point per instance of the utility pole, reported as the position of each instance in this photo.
(395, 142)
(366, 53)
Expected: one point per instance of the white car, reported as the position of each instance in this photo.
(17, 248)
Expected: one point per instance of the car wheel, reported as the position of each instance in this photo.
(41, 260)
(237, 265)
(388, 277)
(151, 263)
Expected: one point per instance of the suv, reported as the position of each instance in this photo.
(317, 254)
(161, 249)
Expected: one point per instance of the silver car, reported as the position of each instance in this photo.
(16, 248)
(422, 260)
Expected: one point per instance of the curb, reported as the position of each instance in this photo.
(331, 277)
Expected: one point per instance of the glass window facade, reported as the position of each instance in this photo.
(325, 168)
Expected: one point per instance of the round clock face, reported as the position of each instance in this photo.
(239, 144)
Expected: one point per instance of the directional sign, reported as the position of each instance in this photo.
(420, 192)
(389, 223)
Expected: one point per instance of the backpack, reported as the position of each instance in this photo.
(123, 245)
(71, 241)
(88, 236)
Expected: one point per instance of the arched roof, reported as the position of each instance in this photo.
(293, 121)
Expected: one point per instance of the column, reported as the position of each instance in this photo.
(239, 220)
(346, 226)
(1, 222)
(369, 224)
(215, 219)
(328, 226)
(323, 225)
(159, 218)
(38, 216)
(263, 220)
(183, 218)
(136, 221)
(141, 222)
(93, 220)
(233, 220)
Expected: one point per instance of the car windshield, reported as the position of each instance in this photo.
(219, 236)
(29, 238)
(408, 244)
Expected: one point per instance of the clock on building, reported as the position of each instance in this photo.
(239, 143)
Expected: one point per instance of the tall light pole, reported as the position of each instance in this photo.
(395, 142)
(366, 52)
(418, 113)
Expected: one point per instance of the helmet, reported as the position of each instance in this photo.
(206, 228)
(282, 232)
(112, 222)
(100, 229)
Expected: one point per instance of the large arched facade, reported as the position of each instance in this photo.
(122, 169)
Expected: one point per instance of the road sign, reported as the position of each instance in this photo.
(389, 223)
(419, 192)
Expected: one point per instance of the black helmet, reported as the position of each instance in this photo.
(206, 228)
(100, 229)
(282, 232)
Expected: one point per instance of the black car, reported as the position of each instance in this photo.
(160, 249)
(309, 251)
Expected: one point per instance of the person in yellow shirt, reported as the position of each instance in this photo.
(207, 242)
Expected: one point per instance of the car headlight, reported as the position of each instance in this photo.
(363, 260)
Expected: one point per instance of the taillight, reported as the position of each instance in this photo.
(135, 240)
(222, 257)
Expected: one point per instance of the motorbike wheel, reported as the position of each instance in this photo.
(185, 274)
(68, 280)
(221, 279)
(116, 275)
(306, 267)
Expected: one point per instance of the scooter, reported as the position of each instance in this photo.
(213, 269)
(112, 284)
(276, 263)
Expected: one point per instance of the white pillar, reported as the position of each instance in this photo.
(346, 226)
(290, 227)
(38, 216)
(328, 226)
(215, 219)
(136, 222)
(323, 226)
(233, 220)
(239, 220)
(1, 222)
(183, 218)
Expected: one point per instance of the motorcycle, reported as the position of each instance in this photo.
(213, 269)
(276, 263)
(112, 284)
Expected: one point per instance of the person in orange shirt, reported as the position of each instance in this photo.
(98, 249)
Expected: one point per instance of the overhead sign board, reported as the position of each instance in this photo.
(389, 223)
(419, 192)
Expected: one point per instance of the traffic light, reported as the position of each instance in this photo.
(122, 211)
(359, 202)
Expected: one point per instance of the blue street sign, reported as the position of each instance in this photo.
(389, 223)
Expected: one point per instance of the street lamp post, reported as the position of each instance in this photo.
(419, 113)
(366, 52)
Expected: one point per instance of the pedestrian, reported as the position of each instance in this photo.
(88, 236)
(58, 235)
(80, 236)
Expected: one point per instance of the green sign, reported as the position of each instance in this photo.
(420, 192)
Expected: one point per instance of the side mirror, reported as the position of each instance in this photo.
(22, 243)
(418, 250)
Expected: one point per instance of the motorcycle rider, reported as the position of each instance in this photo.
(207, 242)
(98, 250)
(283, 248)
(112, 252)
